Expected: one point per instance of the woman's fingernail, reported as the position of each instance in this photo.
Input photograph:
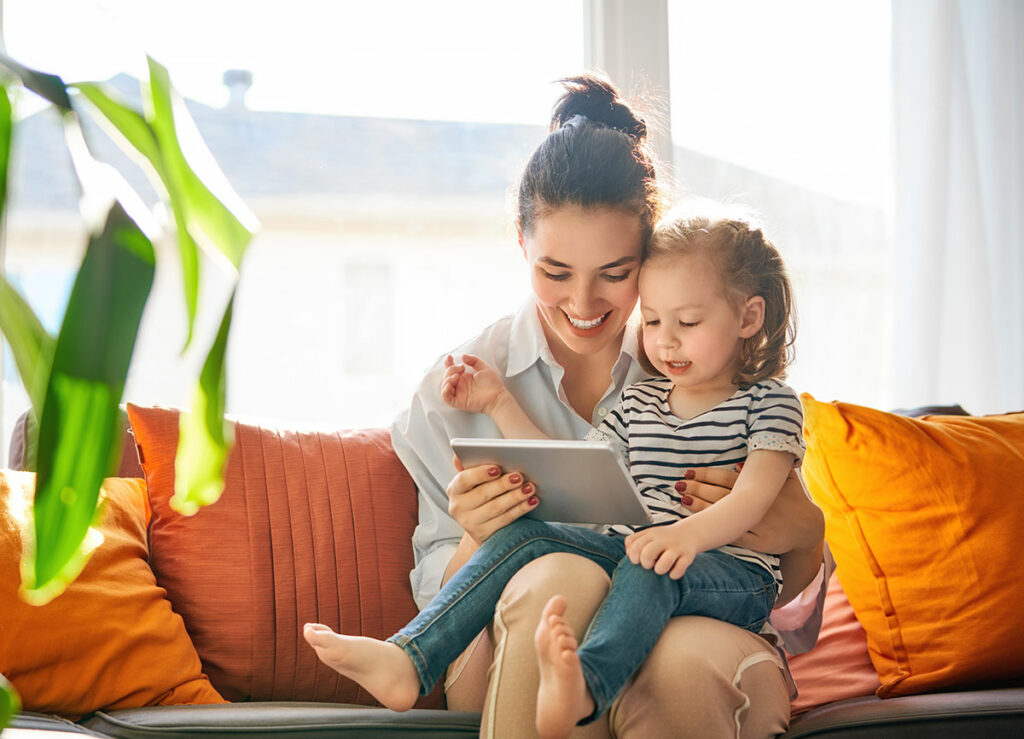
(515, 478)
(690, 474)
(528, 488)
(686, 500)
(533, 500)
(739, 465)
(493, 472)
(681, 486)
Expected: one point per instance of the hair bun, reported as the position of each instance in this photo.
(595, 98)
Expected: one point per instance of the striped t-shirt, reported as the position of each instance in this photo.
(659, 447)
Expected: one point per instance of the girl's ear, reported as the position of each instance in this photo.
(751, 316)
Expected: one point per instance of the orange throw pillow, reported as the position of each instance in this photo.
(111, 639)
(310, 527)
(839, 666)
(922, 518)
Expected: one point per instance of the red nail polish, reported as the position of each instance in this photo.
(681, 486)
(533, 500)
(690, 474)
(739, 465)
(686, 500)
(528, 488)
(493, 472)
(515, 478)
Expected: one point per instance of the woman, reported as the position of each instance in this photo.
(588, 202)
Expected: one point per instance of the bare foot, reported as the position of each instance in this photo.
(563, 697)
(383, 668)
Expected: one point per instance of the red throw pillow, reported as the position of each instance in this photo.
(311, 527)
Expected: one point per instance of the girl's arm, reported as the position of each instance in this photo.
(670, 549)
(792, 521)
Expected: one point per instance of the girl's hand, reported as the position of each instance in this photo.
(792, 521)
(664, 549)
(473, 386)
(482, 499)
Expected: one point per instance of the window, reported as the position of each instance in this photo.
(376, 142)
(784, 107)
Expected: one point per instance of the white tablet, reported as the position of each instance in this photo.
(577, 481)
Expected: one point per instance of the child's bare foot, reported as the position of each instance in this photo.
(381, 667)
(563, 697)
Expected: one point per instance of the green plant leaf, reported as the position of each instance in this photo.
(31, 345)
(5, 145)
(47, 86)
(204, 435)
(79, 439)
(212, 223)
(140, 136)
(10, 704)
(198, 213)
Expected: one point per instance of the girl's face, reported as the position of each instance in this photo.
(584, 266)
(692, 332)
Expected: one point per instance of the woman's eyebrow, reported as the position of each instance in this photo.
(610, 265)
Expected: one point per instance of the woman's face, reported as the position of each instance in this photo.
(584, 266)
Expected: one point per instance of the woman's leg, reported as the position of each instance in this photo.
(511, 678)
(449, 623)
(628, 624)
(705, 679)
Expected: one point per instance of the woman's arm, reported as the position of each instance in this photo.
(799, 568)
(792, 522)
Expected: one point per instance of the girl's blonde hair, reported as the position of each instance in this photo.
(749, 265)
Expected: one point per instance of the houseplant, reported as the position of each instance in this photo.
(75, 379)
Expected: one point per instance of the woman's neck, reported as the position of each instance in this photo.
(587, 376)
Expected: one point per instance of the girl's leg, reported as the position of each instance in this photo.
(466, 604)
(635, 613)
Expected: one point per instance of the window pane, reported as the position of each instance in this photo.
(783, 107)
(377, 144)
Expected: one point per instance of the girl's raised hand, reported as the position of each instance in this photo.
(473, 385)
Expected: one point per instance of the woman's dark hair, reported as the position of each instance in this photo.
(596, 156)
(749, 264)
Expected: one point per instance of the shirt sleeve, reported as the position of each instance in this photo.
(613, 429)
(776, 422)
(421, 438)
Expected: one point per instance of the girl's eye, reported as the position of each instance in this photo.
(556, 277)
(616, 278)
(686, 324)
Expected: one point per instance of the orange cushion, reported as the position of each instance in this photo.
(839, 666)
(111, 639)
(311, 527)
(924, 524)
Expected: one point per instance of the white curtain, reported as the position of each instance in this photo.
(958, 111)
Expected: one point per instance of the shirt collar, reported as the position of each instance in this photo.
(527, 343)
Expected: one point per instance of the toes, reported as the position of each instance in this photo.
(556, 606)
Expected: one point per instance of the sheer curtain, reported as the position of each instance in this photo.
(958, 83)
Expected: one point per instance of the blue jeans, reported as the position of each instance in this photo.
(625, 628)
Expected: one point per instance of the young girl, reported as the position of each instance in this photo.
(717, 327)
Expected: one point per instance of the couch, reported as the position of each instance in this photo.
(332, 498)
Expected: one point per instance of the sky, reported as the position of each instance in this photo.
(795, 88)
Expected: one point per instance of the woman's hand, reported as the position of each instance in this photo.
(473, 386)
(792, 521)
(482, 499)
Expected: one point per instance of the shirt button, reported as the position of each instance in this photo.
(602, 412)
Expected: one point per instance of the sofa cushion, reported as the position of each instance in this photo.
(839, 666)
(111, 640)
(311, 527)
(922, 523)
